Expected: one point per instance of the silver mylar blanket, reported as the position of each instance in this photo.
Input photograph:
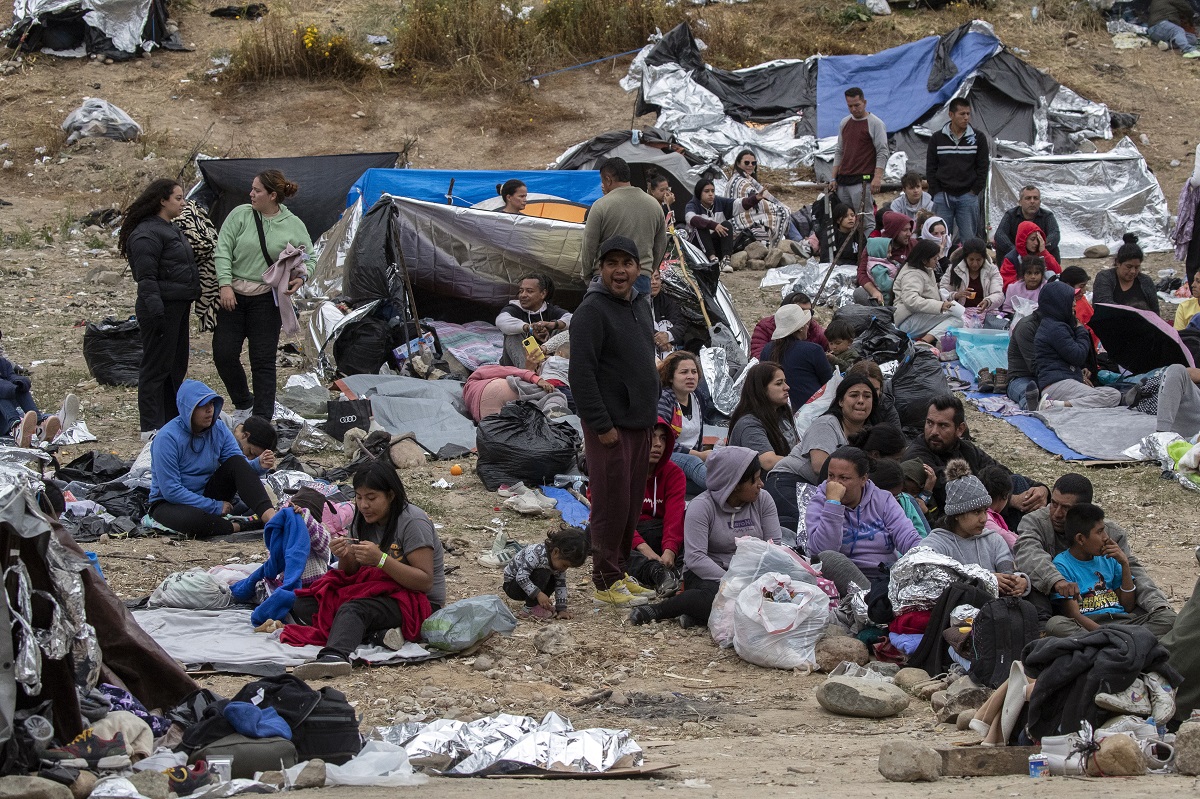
(921, 575)
(504, 743)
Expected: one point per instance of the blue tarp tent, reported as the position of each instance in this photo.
(470, 186)
(896, 81)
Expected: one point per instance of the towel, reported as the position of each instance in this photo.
(289, 264)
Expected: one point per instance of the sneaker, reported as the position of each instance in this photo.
(501, 553)
(670, 584)
(643, 614)
(549, 503)
(393, 639)
(1195, 53)
(50, 429)
(68, 414)
(537, 612)
(1134, 700)
(322, 668)
(1032, 395)
(618, 596)
(90, 752)
(147, 435)
(1001, 381)
(687, 622)
(1162, 696)
(525, 504)
(24, 430)
(636, 588)
(244, 523)
(985, 384)
(515, 490)
(726, 267)
(184, 781)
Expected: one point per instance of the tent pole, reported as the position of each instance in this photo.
(858, 225)
(687, 276)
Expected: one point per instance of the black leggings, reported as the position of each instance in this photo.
(353, 623)
(543, 578)
(696, 600)
(256, 318)
(714, 245)
(235, 477)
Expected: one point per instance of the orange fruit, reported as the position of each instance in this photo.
(456, 470)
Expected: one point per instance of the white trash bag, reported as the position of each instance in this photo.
(777, 621)
(98, 117)
(194, 589)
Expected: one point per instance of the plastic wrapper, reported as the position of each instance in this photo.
(65, 567)
(807, 277)
(1154, 448)
(921, 575)
(194, 589)
(380, 764)
(98, 117)
(287, 482)
(17, 460)
(114, 787)
(777, 621)
(467, 622)
(28, 663)
(725, 390)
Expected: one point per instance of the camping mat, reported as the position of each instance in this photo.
(225, 639)
(432, 410)
(1100, 433)
(574, 512)
(473, 344)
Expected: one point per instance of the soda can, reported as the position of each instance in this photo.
(1039, 765)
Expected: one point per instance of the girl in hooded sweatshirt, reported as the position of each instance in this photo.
(894, 245)
(734, 506)
(1029, 287)
(1031, 240)
(1061, 351)
(854, 527)
(198, 469)
(972, 280)
(658, 538)
(934, 229)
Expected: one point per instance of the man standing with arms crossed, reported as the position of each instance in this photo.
(616, 387)
(861, 155)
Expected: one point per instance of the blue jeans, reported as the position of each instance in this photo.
(694, 470)
(1177, 37)
(11, 410)
(782, 488)
(961, 214)
(1016, 390)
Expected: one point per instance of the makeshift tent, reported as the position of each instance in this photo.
(464, 188)
(793, 103)
(543, 206)
(647, 150)
(323, 181)
(1131, 199)
(115, 29)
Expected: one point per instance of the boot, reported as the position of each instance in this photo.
(986, 385)
(1001, 381)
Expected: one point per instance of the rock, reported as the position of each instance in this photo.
(774, 258)
(939, 700)
(107, 278)
(151, 784)
(1175, 162)
(833, 650)
(553, 640)
(790, 258)
(1097, 251)
(483, 663)
(428, 692)
(908, 761)
(311, 776)
(926, 690)
(739, 260)
(272, 778)
(886, 669)
(861, 698)
(618, 698)
(1187, 748)
(1119, 756)
(966, 694)
(83, 785)
(756, 251)
(964, 720)
(32, 788)
(757, 264)
(908, 678)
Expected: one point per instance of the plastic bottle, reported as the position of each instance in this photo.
(40, 730)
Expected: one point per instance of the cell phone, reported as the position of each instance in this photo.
(532, 348)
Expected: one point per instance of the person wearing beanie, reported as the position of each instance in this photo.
(965, 536)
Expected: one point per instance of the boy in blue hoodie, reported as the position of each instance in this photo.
(198, 469)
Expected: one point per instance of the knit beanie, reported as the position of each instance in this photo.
(966, 494)
(310, 499)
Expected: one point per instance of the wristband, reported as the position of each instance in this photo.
(382, 559)
(833, 502)
(1124, 590)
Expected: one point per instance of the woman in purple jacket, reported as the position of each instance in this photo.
(855, 528)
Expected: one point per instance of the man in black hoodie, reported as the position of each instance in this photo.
(956, 167)
(616, 391)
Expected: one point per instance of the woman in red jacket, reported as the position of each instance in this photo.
(658, 539)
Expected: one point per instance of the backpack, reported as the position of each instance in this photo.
(1002, 629)
(329, 731)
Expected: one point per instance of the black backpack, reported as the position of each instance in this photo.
(330, 731)
(1002, 629)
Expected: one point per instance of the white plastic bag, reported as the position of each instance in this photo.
(98, 117)
(380, 764)
(194, 589)
(817, 404)
(779, 634)
(1022, 307)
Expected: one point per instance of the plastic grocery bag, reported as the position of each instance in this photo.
(194, 589)
(380, 764)
(817, 404)
(777, 621)
(753, 559)
(467, 622)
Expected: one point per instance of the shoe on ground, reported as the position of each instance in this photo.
(323, 668)
(514, 490)
(637, 589)
(985, 382)
(50, 429)
(687, 622)
(501, 553)
(670, 583)
(548, 503)
(1001, 376)
(1194, 53)
(68, 415)
(617, 595)
(88, 751)
(642, 614)
(525, 504)
(147, 435)
(1032, 396)
(1162, 696)
(184, 781)
(245, 523)
(24, 430)
(536, 612)
(726, 267)
(1134, 700)
(393, 639)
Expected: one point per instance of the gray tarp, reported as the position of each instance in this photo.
(1100, 433)
(432, 410)
(1096, 197)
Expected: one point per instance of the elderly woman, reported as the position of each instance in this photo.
(1124, 283)
(769, 218)
(804, 363)
(531, 314)
(920, 310)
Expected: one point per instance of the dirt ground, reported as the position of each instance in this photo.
(688, 702)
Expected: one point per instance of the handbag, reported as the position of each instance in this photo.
(345, 415)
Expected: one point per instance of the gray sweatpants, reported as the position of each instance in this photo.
(1158, 622)
(1178, 403)
(1081, 395)
(853, 197)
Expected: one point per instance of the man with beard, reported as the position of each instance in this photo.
(942, 441)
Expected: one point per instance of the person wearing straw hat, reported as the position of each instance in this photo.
(804, 364)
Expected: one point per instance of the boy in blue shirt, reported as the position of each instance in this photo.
(1099, 568)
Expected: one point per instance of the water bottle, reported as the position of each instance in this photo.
(572, 481)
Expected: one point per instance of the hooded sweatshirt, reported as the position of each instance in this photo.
(613, 378)
(1009, 269)
(874, 533)
(893, 225)
(185, 460)
(239, 255)
(713, 526)
(666, 490)
(1061, 346)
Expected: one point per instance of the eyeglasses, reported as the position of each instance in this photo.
(749, 163)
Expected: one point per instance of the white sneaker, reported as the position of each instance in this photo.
(514, 490)
(1162, 696)
(69, 413)
(525, 504)
(1134, 700)
(147, 435)
(548, 503)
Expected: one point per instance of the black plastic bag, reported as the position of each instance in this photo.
(119, 500)
(860, 316)
(520, 444)
(113, 351)
(881, 341)
(94, 467)
(363, 347)
(918, 379)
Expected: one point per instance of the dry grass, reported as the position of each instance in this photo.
(522, 111)
(278, 46)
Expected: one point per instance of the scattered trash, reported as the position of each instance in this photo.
(378, 39)
(441, 483)
(101, 118)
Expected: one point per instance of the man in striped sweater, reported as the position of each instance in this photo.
(956, 168)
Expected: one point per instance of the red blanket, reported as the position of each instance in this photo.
(337, 587)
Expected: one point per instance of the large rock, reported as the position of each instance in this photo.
(1119, 756)
(739, 260)
(832, 650)
(855, 696)
(964, 694)
(1187, 748)
(908, 761)
(756, 250)
(553, 640)
(32, 788)
(311, 776)
(151, 784)
(774, 258)
(907, 678)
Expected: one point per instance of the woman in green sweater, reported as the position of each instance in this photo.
(251, 239)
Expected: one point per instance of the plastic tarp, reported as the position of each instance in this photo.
(470, 186)
(117, 27)
(324, 181)
(1096, 197)
(432, 410)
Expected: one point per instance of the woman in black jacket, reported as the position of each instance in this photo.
(1124, 283)
(167, 282)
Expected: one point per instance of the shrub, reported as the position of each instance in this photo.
(280, 48)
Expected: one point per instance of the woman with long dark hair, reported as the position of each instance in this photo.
(251, 239)
(167, 282)
(920, 310)
(710, 219)
(762, 420)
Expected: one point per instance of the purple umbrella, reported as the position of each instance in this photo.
(1138, 340)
